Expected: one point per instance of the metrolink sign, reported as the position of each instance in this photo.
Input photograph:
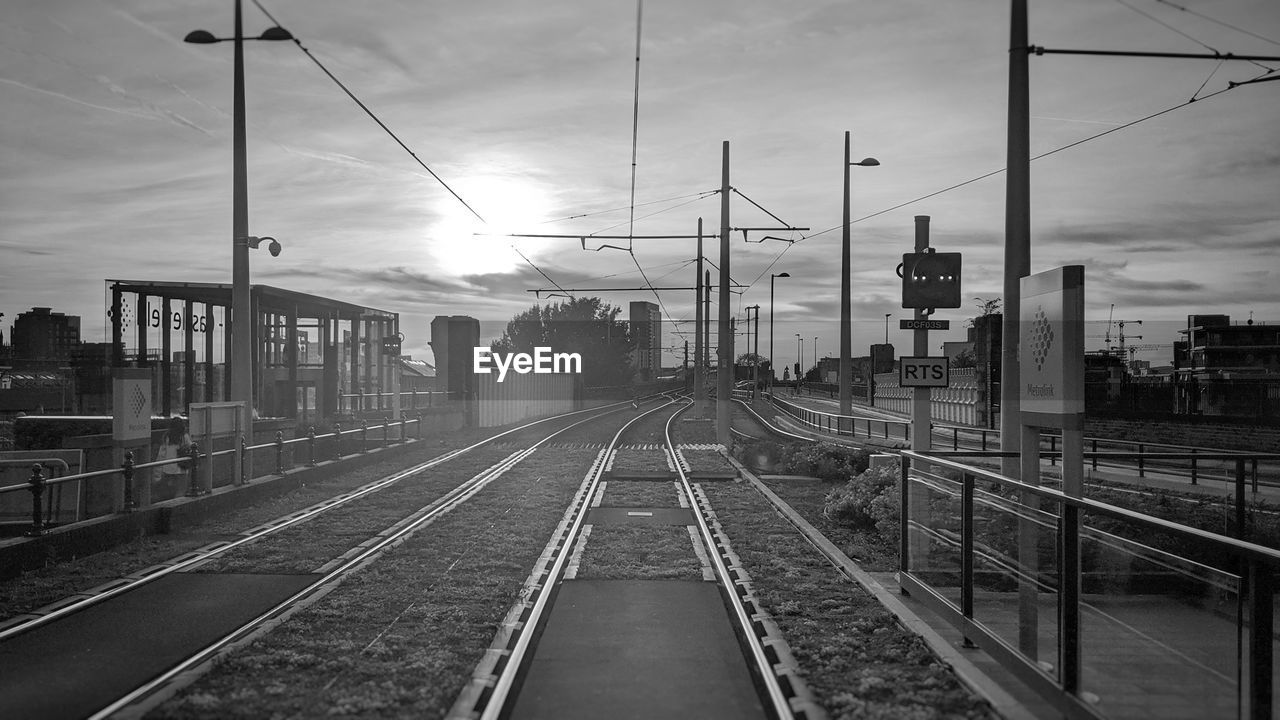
(542, 362)
(1051, 347)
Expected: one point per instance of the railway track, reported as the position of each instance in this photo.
(521, 675)
(396, 525)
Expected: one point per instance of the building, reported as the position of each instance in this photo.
(1226, 369)
(646, 333)
(44, 336)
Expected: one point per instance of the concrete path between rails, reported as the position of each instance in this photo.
(623, 649)
(79, 664)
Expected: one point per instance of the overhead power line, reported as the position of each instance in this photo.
(375, 118)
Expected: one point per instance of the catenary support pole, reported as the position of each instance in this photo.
(724, 384)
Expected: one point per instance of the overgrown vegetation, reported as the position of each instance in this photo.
(827, 461)
(871, 501)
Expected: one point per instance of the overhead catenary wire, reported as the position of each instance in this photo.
(1218, 22)
(371, 114)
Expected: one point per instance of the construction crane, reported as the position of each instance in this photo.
(1119, 349)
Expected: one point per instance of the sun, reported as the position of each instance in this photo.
(462, 244)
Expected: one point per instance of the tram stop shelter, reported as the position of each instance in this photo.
(309, 352)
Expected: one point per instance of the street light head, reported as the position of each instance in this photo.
(274, 248)
(200, 37)
(867, 162)
(275, 33)
(783, 274)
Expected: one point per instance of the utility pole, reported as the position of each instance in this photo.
(724, 386)
(1017, 234)
(699, 369)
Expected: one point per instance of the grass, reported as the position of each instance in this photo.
(623, 493)
(635, 459)
(402, 637)
(857, 661)
(639, 552)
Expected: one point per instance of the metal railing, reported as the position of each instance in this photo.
(1107, 612)
(1148, 458)
(199, 477)
(410, 400)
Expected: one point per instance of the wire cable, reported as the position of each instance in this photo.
(624, 207)
(635, 126)
(1218, 22)
(1155, 19)
(372, 115)
(535, 267)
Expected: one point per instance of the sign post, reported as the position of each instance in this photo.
(131, 429)
(1050, 395)
(217, 420)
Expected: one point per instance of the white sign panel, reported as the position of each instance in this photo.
(131, 404)
(1051, 346)
(215, 419)
(923, 372)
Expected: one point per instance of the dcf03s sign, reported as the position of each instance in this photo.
(924, 372)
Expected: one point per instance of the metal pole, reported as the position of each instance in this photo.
(1017, 233)
(772, 365)
(756, 369)
(706, 318)
(241, 330)
(920, 411)
(846, 339)
(725, 354)
(699, 378)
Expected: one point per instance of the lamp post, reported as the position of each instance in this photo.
(846, 337)
(241, 317)
(771, 277)
(799, 356)
(755, 363)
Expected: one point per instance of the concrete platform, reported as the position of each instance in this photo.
(624, 649)
(78, 665)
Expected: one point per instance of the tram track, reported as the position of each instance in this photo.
(503, 678)
(330, 573)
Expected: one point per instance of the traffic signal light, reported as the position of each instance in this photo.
(931, 280)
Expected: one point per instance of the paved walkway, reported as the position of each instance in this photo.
(75, 666)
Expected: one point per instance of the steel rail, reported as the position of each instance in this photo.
(777, 699)
(500, 695)
(440, 506)
(305, 516)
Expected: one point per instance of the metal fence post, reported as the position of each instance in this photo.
(1193, 466)
(244, 455)
(1069, 547)
(404, 418)
(1257, 679)
(279, 452)
(337, 439)
(1141, 466)
(364, 436)
(127, 469)
(193, 489)
(311, 445)
(1240, 504)
(966, 548)
(1095, 453)
(420, 424)
(904, 545)
(37, 490)
(386, 426)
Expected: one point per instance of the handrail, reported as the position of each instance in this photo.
(1241, 547)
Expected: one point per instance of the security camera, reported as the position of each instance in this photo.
(274, 248)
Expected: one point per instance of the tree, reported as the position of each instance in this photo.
(989, 306)
(587, 326)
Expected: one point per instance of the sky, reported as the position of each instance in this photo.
(115, 141)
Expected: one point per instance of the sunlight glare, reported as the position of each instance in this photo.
(510, 204)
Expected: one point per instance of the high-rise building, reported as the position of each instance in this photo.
(646, 331)
(42, 334)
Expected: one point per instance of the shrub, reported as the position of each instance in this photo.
(869, 501)
(824, 460)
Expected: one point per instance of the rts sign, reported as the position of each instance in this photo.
(923, 372)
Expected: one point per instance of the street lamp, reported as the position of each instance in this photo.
(241, 317)
(771, 277)
(846, 337)
(799, 356)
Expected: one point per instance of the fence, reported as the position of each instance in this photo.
(1107, 612)
(279, 456)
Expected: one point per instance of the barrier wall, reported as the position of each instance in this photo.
(523, 396)
(957, 404)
